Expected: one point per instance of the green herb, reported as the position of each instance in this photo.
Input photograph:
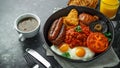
(108, 34)
(66, 54)
(78, 29)
(109, 39)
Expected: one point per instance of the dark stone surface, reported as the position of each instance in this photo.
(11, 50)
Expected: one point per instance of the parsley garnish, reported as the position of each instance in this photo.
(66, 54)
(78, 29)
(108, 34)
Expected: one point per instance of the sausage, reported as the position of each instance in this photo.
(55, 29)
(60, 38)
(50, 37)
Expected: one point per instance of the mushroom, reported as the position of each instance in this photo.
(99, 26)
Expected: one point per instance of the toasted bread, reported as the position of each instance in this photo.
(87, 3)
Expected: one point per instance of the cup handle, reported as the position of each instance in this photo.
(21, 38)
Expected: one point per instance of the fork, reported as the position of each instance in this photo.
(30, 61)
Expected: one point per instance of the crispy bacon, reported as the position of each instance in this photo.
(87, 18)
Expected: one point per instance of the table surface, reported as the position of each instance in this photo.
(11, 49)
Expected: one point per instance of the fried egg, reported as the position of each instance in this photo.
(82, 53)
(62, 49)
(77, 53)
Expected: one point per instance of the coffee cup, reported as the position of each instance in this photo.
(27, 25)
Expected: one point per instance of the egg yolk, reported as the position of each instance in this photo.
(64, 47)
(80, 52)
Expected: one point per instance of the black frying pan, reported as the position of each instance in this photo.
(64, 12)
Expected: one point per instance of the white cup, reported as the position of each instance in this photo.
(23, 34)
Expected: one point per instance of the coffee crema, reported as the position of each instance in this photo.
(27, 24)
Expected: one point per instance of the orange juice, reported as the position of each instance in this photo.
(109, 8)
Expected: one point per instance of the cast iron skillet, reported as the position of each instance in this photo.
(64, 12)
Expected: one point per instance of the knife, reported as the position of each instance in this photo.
(37, 56)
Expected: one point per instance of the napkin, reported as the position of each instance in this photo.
(109, 59)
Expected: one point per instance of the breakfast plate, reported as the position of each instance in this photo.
(83, 49)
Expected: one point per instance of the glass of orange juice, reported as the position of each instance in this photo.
(109, 8)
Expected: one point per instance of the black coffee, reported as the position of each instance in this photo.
(27, 24)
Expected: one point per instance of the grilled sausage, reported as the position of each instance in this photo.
(60, 37)
(50, 37)
(55, 29)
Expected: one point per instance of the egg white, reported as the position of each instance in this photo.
(88, 54)
(56, 50)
